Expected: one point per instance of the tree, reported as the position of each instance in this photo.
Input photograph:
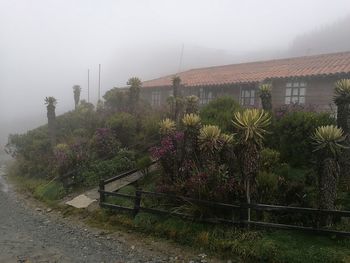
(265, 96)
(342, 100)
(134, 92)
(251, 127)
(176, 90)
(329, 143)
(76, 91)
(50, 103)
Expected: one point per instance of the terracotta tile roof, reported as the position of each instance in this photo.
(327, 64)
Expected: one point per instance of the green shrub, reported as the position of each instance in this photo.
(266, 187)
(124, 126)
(123, 161)
(269, 160)
(291, 135)
(143, 164)
(220, 112)
(50, 192)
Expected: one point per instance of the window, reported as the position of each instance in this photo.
(295, 92)
(156, 98)
(247, 96)
(205, 96)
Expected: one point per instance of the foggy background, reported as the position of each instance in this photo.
(47, 46)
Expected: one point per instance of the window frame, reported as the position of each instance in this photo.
(155, 97)
(247, 96)
(295, 92)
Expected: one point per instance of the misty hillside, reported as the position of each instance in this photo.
(327, 39)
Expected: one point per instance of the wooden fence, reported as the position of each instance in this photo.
(239, 208)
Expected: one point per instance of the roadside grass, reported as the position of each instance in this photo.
(50, 192)
(224, 241)
(229, 242)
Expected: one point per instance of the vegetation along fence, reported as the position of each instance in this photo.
(238, 210)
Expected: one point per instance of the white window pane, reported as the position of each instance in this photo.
(302, 84)
(302, 100)
(289, 84)
(252, 93)
(210, 95)
(288, 91)
(294, 99)
(295, 84)
(252, 101)
(247, 94)
(287, 100)
(295, 91)
(302, 91)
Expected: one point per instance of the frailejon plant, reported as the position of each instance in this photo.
(342, 100)
(251, 125)
(329, 143)
(76, 92)
(192, 104)
(265, 96)
(50, 103)
(209, 138)
(134, 92)
(167, 126)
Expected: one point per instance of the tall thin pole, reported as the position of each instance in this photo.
(181, 56)
(99, 82)
(88, 85)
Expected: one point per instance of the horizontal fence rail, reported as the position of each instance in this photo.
(236, 208)
(240, 207)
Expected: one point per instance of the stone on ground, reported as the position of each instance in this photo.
(81, 201)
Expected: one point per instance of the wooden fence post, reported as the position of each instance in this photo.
(137, 202)
(243, 213)
(102, 188)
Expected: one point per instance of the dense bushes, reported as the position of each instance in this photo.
(97, 170)
(291, 135)
(219, 112)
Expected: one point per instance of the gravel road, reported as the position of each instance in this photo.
(34, 235)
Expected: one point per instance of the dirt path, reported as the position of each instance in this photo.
(35, 235)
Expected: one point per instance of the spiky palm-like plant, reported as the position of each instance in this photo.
(209, 138)
(342, 100)
(76, 92)
(192, 104)
(329, 143)
(192, 125)
(265, 96)
(176, 93)
(134, 92)
(167, 127)
(251, 127)
(191, 120)
(50, 103)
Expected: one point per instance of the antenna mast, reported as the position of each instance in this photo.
(181, 55)
(88, 85)
(99, 82)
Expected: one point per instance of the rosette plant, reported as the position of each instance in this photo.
(265, 96)
(50, 103)
(342, 100)
(251, 127)
(329, 142)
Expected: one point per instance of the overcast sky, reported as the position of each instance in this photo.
(46, 46)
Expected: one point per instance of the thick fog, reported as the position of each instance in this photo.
(47, 46)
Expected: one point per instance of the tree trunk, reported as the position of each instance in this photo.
(328, 178)
(51, 118)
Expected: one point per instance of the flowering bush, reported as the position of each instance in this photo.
(104, 143)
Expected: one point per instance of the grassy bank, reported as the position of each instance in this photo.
(219, 240)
